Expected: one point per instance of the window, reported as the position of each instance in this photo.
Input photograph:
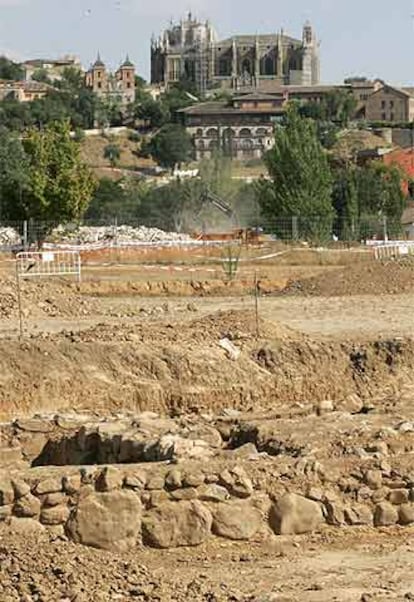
(99, 85)
(391, 104)
(384, 116)
(212, 133)
(383, 104)
(99, 74)
(245, 133)
(128, 84)
(391, 116)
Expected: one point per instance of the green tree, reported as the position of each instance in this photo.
(41, 75)
(10, 70)
(300, 182)
(171, 146)
(154, 113)
(380, 193)
(345, 203)
(60, 186)
(112, 152)
(109, 201)
(14, 166)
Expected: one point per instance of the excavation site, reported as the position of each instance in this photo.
(175, 435)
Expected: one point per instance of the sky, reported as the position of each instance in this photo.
(374, 38)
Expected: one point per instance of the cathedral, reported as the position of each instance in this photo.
(192, 50)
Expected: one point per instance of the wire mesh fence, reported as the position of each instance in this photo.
(126, 231)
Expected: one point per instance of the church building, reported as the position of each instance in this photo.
(191, 50)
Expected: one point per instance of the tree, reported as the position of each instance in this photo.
(112, 152)
(59, 185)
(380, 193)
(171, 146)
(109, 200)
(13, 171)
(41, 75)
(152, 112)
(345, 203)
(300, 182)
(10, 70)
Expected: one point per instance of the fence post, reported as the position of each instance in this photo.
(25, 235)
(295, 228)
(384, 224)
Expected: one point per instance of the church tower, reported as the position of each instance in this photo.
(310, 56)
(97, 77)
(125, 77)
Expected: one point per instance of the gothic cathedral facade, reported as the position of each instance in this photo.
(191, 50)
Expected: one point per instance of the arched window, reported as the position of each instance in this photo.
(247, 147)
(261, 132)
(245, 133)
(213, 145)
(269, 67)
(199, 132)
(212, 133)
(247, 66)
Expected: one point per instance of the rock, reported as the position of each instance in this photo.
(175, 524)
(71, 485)
(54, 499)
(324, 407)
(237, 521)
(52, 485)
(108, 479)
(293, 514)
(136, 481)
(27, 507)
(157, 498)
(213, 493)
(406, 514)
(109, 521)
(193, 479)
(233, 352)
(25, 526)
(236, 482)
(5, 512)
(315, 494)
(358, 514)
(334, 513)
(6, 492)
(173, 479)
(56, 515)
(34, 425)
(155, 482)
(373, 478)
(20, 488)
(187, 494)
(385, 515)
(398, 496)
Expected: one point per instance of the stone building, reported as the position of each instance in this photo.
(242, 127)
(54, 68)
(391, 105)
(192, 50)
(23, 91)
(119, 85)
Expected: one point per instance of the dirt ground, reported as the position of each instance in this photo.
(147, 336)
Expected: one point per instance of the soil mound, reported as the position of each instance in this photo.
(44, 299)
(383, 278)
(239, 326)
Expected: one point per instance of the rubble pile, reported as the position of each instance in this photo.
(123, 233)
(9, 237)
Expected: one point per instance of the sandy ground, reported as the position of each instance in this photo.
(351, 565)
